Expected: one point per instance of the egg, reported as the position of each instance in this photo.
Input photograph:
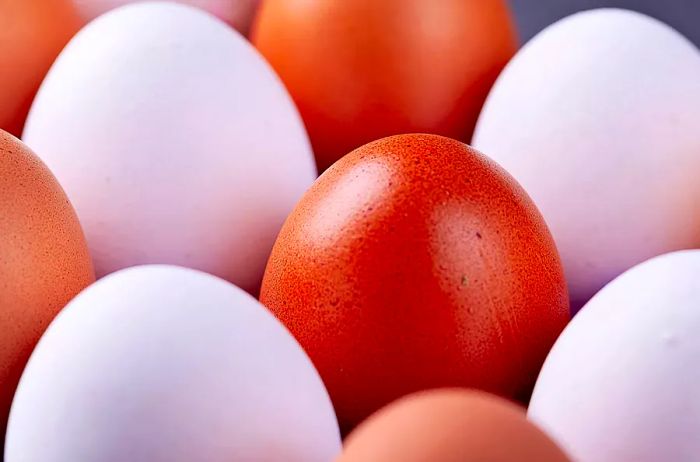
(413, 263)
(32, 34)
(237, 13)
(365, 69)
(174, 140)
(621, 381)
(450, 426)
(44, 259)
(598, 118)
(160, 363)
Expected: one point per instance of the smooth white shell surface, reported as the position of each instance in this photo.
(621, 382)
(598, 118)
(174, 140)
(166, 364)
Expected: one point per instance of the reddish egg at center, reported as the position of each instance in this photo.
(412, 263)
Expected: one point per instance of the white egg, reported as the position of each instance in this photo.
(598, 117)
(166, 364)
(621, 382)
(174, 140)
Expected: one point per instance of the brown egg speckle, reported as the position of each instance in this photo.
(44, 261)
(414, 263)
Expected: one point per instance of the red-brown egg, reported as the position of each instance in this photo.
(364, 69)
(32, 33)
(44, 259)
(415, 262)
(450, 426)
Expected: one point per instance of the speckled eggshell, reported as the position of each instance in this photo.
(237, 13)
(166, 364)
(414, 262)
(450, 426)
(598, 118)
(44, 260)
(174, 140)
(621, 383)
(32, 33)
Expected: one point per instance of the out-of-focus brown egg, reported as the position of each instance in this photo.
(450, 426)
(365, 69)
(44, 259)
(32, 33)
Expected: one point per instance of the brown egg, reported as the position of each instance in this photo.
(414, 263)
(450, 426)
(44, 259)
(32, 33)
(363, 69)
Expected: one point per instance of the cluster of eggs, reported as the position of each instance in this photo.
(177, 283)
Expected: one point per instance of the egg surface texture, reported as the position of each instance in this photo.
(415, 262)
(364, 69)
(621, 381)
(166, 364)
(44, 259)
(598, 118)
(237, 13)
(450, 426)
(174, 140)
(32, 33)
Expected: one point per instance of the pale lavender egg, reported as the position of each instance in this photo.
(175, 141)
(598, 118)
(621, 382)
(166, 364)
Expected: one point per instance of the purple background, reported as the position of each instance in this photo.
(534, 15)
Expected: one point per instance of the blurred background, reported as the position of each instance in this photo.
(534, 15)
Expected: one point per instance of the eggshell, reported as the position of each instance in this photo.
(44, 259)
(621, 382)
(237, 13)
(32, 33)
(364, 69)
(450, 426)
(174, 140)
(166, 364)
(413, 263)
(598, 118)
